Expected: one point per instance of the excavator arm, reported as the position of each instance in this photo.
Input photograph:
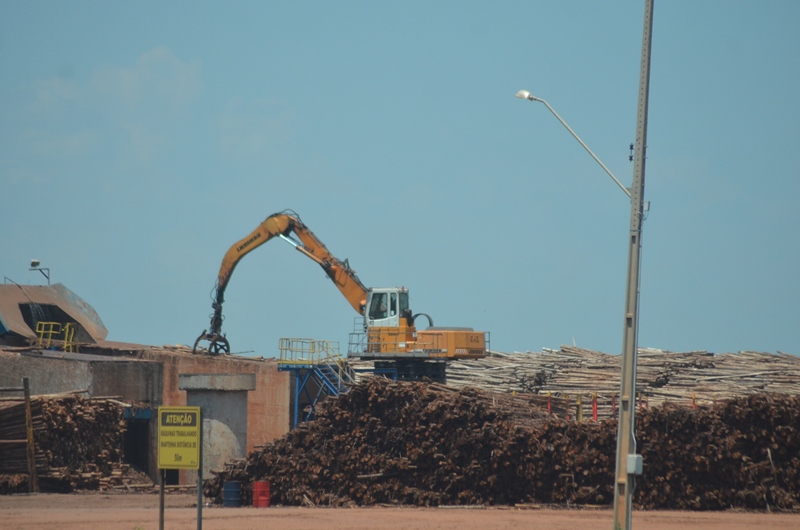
(283, 225)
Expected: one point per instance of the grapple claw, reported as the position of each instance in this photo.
(217, 344)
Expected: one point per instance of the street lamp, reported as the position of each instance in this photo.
(524, 94)
(629, 464)
(35, 267)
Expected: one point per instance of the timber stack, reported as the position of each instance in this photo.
(78, 444)
(661, 376)
(416, 443)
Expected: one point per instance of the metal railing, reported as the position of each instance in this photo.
(47, 329)
(69, 338)
(50, 331)
(322, 355)
(306, 351)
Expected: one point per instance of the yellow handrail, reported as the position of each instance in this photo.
(69, 335)
(49, 329)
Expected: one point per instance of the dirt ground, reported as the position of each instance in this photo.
(140, 512)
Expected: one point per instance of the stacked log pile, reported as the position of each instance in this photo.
(13, 436)
(662, 376)
(430, 445)
(78, 444)
(13, 484)
(741, 453)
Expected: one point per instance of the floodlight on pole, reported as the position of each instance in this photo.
(35, 267)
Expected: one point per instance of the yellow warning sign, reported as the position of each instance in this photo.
(179, 437)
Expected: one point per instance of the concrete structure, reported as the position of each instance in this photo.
(223, 401)
(246, 400)
(55, 372)
(268, 405)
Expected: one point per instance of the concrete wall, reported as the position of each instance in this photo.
(46, 375)
(133, 380)
(52, 372)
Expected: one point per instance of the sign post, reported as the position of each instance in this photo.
(180, 441)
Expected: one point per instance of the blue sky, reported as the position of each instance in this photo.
(140, 140)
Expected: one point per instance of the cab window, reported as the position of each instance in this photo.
(377, 308)
(403, 301)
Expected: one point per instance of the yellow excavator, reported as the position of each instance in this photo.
(389, 333)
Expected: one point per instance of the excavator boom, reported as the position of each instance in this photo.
(389, 331)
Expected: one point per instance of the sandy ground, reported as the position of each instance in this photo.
(140, 512)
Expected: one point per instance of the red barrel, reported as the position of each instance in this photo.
(261, 494)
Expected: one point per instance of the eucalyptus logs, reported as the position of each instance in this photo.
(78, 444)
(430, 445)
(661, 376)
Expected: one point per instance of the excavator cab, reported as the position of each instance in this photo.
(387, 321)
(386, 306)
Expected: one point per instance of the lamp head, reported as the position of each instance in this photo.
(524, 94)
(34, 263)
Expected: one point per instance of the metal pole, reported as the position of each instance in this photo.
(608, 171)
(161, 499)
(33, 478)
(628, 462)
(200, 473)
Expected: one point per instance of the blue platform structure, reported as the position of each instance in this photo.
(319, 372)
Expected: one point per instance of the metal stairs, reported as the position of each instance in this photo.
(319, 372)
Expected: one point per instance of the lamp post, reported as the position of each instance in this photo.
(524, 94)
(35, 267)
(629, 464)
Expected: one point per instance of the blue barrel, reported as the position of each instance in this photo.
(232, 494)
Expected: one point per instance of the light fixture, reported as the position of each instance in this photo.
(35, 267)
